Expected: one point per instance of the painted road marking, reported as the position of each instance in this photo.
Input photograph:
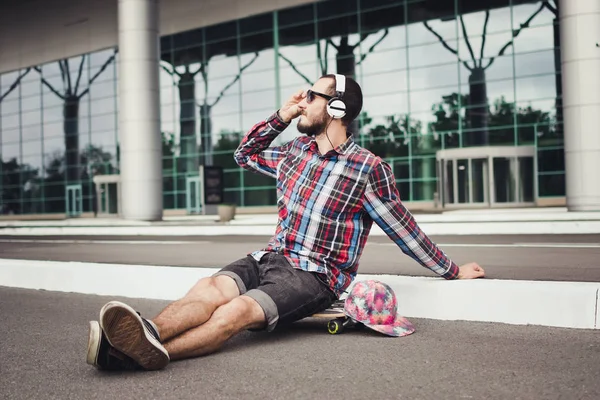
(513, 245)
(179, 242)
(71, 241)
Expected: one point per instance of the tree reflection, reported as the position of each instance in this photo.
(478, 112)
(71, 99)
(14, 85)
(187, 114)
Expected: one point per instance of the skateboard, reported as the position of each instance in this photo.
(338, 320)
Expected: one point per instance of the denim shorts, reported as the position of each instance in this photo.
(286, 294)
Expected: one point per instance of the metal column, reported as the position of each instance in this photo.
(580, 61)
(139, 114)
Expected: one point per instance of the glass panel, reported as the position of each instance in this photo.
(423, 190)
(479, 179)
(439, 188)
(73, 200)
(424, 178)
(256, 196)
(449, 189)
(69, 200)
(193, 203)
(220, 104)
(504, 180)
(298, 59)
(191, 196)
(462, 170)
(257, 76)
(104, 198)
(526, 179)
(552, 184)
(382, 69)
(486, 73)
(113, 198)
(551, 160)
(257, 99)
(79, 199)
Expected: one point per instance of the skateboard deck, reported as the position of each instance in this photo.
(338, 320)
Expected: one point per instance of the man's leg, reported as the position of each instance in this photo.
(290, 295)
(196, 307)
(239, 314)
(140, 339)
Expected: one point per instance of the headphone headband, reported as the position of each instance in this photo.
(340, 84)
(336, 106)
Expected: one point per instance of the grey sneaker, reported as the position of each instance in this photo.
(103, 356)
(133, 336)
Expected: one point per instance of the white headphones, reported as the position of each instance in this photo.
(336, 107)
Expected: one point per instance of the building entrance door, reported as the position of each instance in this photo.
(73, 200)
(193, 202)
(109, 199)
(464, 181)
(487, 176)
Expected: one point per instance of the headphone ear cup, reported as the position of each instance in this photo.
(336, 108)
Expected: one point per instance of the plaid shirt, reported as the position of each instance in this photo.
(327, 205)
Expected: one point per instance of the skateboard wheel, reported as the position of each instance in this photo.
(334, 326)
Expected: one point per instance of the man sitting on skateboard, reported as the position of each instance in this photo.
(330, 191)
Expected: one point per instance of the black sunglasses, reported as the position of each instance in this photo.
(310, 96)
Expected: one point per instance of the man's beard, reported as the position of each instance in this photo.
(313, 129)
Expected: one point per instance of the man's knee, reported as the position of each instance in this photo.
(219, 289)
(239, 314)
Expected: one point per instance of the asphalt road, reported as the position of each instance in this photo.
(523, 257)
(43, 337)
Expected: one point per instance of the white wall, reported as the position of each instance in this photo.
(34, 32)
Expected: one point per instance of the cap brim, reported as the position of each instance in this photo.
(400, 327)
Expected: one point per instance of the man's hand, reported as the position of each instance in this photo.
(470, 271)
(290, 109)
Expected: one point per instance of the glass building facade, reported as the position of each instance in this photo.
(436, 76)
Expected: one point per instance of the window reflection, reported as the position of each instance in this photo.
(534, 63)
(99, 58)
(220, 103)
(10, 151)
(301, 61)
(258, 101)
(427, 92)
(9, 85)
(52, 105)
(29, 89)
(10, 116)
(383, 67)
(536, 87)
(431, 79)
(101, 102)
(31, 133)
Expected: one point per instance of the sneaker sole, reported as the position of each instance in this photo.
(93, 344)
(125, 331)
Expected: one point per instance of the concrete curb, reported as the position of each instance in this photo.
(558, 304)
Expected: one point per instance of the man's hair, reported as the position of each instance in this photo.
(353, 98)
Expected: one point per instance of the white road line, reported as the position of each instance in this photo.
(513, 245)
(69, 241)
(174, 242)
(561, 245)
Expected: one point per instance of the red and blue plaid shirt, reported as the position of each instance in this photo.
(327, 205)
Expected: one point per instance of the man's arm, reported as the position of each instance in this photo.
(382, 202)
(254, 152)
